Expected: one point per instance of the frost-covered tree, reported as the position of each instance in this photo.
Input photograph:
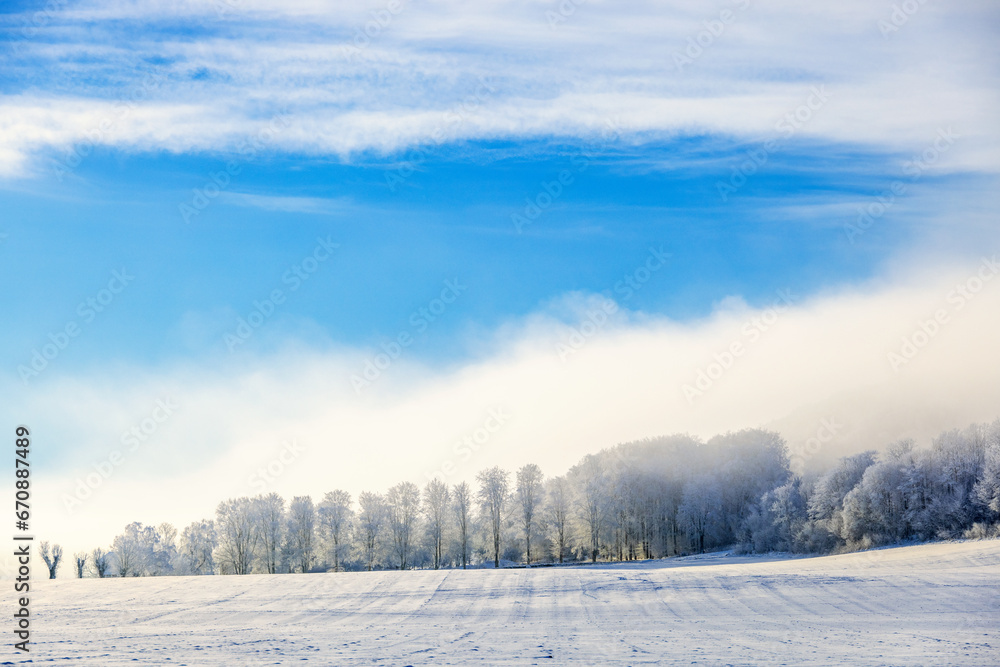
(557, 514)
(778, 522)
(436, 503)
(301, 532)
(987, 489)
(238, 534)
(101, 562)
(334, 516)
(371, 520)
(699, 511)
(52, 557)
(159, 546)
(941, 484)
(269, 511)
(493, 494)
(529, 494)
(462, 506)
(403, 505)
(130, 549)
(746, 464)
(80, 563)
(591, 490)
(651, 498)
(623, 506)
(198, 543)
(826, 504)
(875, 509)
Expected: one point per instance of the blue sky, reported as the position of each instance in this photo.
(452, 218)
(209, 147)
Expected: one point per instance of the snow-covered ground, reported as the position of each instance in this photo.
(935, 604)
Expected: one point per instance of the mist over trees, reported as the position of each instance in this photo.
(655, 498)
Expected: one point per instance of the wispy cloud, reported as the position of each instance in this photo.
(311, 205)
(607, 60)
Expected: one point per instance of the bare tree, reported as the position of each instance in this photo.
(494, 489)
(80, 560)
(371, 517)
(558, 514)
(238, 534)
(623, 486)
(301, 529)
(100, 558)
(436, 497)
(335, 521)
(529, 498)
(270, 512)
(463, 509)
(403, 502)
(52, 558)
(699, 509)
(592, 488)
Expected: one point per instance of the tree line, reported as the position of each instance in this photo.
(654, 498)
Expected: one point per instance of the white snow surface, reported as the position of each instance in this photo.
(933, 604)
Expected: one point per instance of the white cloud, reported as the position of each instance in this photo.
(314, 205)
(606, 60)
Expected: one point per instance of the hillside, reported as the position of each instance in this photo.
(927, 604)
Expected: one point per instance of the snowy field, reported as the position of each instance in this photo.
(924, 605)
